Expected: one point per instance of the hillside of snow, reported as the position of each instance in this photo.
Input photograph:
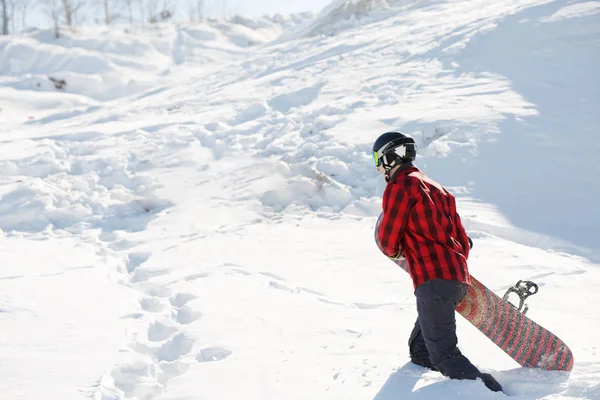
(100, 64)
(190, 216)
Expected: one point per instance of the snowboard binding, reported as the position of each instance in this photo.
(523, 289)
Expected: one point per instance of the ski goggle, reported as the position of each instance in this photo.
(376, 159)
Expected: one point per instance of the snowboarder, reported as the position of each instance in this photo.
(420, 223)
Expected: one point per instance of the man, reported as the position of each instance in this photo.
(420, 223)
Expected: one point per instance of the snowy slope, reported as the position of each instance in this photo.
(101, 64)
(200, 226)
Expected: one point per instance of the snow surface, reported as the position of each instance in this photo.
(191, 216)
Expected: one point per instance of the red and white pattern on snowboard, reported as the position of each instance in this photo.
(498, 320)
(534, 347)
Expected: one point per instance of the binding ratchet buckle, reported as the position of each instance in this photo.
(523, 289)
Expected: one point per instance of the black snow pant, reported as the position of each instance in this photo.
(433, 341)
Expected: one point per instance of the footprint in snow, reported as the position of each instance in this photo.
(153, 304)
(181, 299)
(133, 316)
(232, 265)
(178, 346)
(140, 275)
(575, 272)
(196, 276)
(170, 369)
(271, 275)
(241, 271)
(333, 303)
(134, 260)
(213, 354)
(153, 290)
(159, 331)
(251, 113)
(134, 380)
(279, 286)
(299, 98)
(121, 245)
(186, 315)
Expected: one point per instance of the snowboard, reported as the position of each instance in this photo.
(525, 341)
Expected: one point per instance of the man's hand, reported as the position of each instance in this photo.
(399, 256)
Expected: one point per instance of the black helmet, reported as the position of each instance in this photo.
(392, 149)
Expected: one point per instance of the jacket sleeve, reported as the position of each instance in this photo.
(463, 237)
(396, 209)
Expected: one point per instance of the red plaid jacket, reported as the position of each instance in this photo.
(420, 219)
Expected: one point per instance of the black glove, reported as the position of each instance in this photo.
(470, 243)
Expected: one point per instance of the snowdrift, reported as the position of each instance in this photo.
(98, 64)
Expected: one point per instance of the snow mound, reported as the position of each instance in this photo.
(34, 66)
(102, 64)
(585, 9)
(70, 185)
(344, 14)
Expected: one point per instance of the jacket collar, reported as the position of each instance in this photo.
(404, 169)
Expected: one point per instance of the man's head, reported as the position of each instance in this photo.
(391, 150)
